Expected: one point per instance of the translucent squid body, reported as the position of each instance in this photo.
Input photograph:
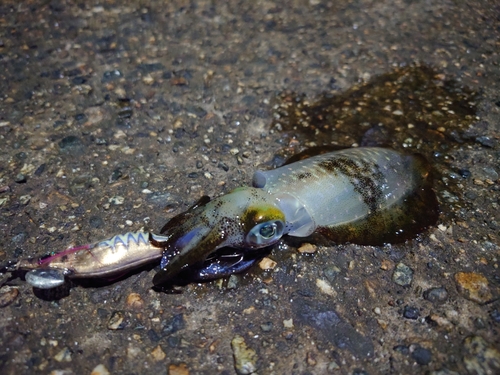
(103, 259)
(360, 195)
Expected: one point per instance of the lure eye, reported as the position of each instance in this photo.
(268, 230)
(265, 234)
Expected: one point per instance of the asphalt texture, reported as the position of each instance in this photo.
(115, 116)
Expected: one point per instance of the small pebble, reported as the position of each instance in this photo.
(111, 75)
(403, 275)
(233, 281)
(158, 354)
(473, 286)
(410, 312)
(440, 321)
(70, 143)
(422, 356)
(24, 199)
(117, 321)
(20, 178)
(382, 323)
(116, 175)
(80, 117)
(267, 264)
(135, 301)
(325, 287)
(266, 327)
(101, 142)
(175, 324)
(116, 200)
(307, 248)
(40, 169)
(8, 294)
(245, 358)
(223, 166)
(386, 265)
(19, 238)
(487, 141)
(180, 369)
(436, 295)
(100, 370)
(63, 356)
(331, 273)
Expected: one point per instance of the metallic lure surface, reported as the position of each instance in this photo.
(362, 195)
(102, 259)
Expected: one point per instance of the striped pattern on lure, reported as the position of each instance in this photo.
(362, 195)
(106, 258)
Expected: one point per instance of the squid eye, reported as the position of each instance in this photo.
(265, 234)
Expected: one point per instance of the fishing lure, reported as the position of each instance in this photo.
(102, 259)
(365, 195)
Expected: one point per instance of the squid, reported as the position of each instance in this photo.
(366, 195)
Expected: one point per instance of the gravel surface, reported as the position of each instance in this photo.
(117, 115)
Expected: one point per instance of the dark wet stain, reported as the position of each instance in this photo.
(398, 109)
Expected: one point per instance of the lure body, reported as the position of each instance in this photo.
(363, 195)
(98, 260)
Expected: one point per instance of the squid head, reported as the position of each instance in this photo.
(245, 219)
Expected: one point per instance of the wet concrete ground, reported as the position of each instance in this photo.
(115, 116)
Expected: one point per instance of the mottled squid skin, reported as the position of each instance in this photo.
(99, 260)
(362, 195)
(368, 196)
